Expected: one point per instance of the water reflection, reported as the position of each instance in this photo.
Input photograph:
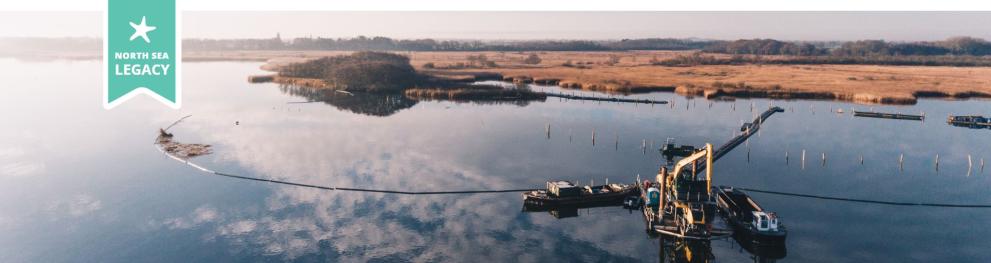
(374, 104)
(74, 194)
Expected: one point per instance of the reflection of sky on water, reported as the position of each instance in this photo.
(82, 183)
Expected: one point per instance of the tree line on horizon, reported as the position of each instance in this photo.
(959, 46)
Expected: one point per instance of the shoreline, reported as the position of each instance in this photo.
(632, 74)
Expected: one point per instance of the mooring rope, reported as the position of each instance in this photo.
(865, 200)
(332, 188)
(176, 122)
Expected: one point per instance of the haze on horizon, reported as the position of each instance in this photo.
(809, 26)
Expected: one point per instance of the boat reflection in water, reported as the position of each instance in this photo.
(673, 249)
(685, 250)
(677, 250)
(566, 211)
(760, 253)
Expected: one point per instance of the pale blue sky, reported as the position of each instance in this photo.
(896, 26)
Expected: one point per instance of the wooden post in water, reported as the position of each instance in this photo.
(982, 165)
(803, 159)
(617, 142)
(571, 135)
(748, 154)
(593, 137)
(937, 162)
(786, 157)
(823, 159)
(861, 159)
(901, 161)
(548, 130)
(970, 163)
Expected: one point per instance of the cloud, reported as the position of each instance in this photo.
(13, 163)
(77, 206)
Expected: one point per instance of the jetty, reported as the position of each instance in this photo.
(883, 115)
(607, 99)
(746, 130)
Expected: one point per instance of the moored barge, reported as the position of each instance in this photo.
(565, 193)
(748, 219)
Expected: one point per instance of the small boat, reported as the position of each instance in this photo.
(974, 121)
(670, 149)
(561, 193)
(748, 219)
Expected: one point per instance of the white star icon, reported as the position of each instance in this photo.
(141, 30)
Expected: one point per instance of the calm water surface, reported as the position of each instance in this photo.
(79, 183)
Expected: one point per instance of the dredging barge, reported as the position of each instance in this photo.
(681, 203)
(748, 219)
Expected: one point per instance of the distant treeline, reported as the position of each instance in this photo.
(699, 58)
(960, 46)
(387, 44)
(953, 46)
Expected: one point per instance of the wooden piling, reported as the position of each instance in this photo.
(861, 159)
(547, 129)
(593, 137)
(803, 159)
(617, 142)
(937, 162)
(823, 159)
(786, 157)
(901, 162)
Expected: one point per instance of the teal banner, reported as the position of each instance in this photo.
(141, 51)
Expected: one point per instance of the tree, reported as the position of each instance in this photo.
(532, 59)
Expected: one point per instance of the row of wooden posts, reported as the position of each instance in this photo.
(644, 147)
(753, 106)
(901, 160)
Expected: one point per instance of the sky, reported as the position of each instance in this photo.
(811, 26)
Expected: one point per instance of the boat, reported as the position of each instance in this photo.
(671, 149)
(563, 193)
(974, 121)
(748, 219)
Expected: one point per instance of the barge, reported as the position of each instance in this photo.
(883, 115)
(748, 219)
(565, 193)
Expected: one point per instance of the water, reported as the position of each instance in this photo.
(79, 183)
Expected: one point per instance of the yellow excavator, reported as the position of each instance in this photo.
(686, 196)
